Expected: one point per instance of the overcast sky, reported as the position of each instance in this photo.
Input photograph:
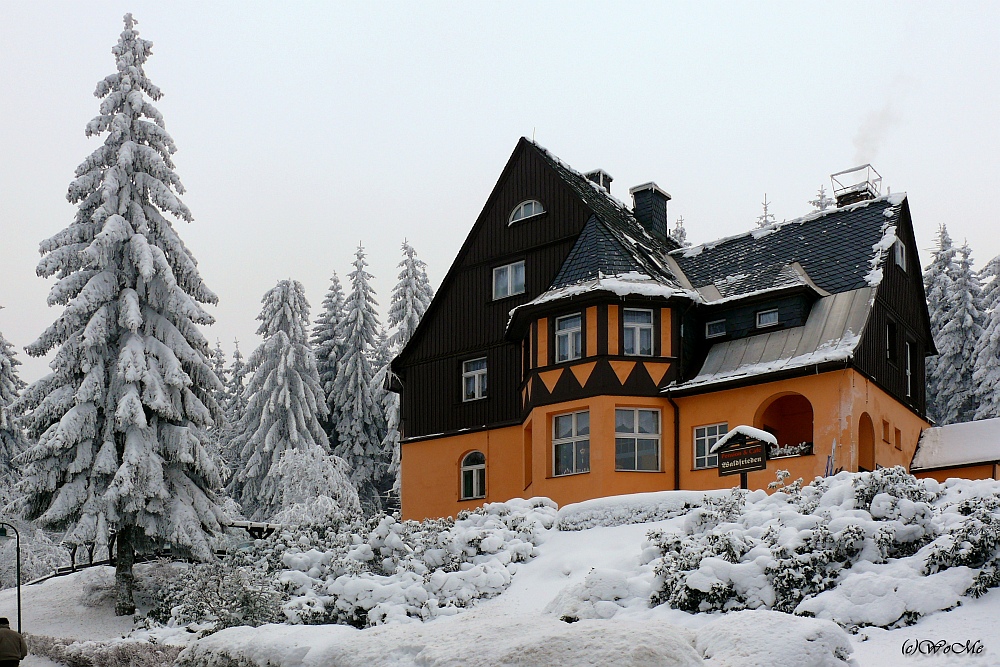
(304, 129)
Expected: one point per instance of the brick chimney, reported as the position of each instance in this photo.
(650, 208)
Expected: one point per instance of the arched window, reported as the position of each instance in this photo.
(474, 476)
(525, 209)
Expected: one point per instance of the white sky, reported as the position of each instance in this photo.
(304, 129)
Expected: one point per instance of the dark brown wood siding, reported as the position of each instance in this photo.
(899, 300)
(464, 321)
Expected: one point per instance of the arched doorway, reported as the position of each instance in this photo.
(866, 443)
(790, 419)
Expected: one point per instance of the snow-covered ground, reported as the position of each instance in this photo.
(597, 574)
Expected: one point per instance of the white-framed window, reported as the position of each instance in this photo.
(474, 476)
(569, 337)
(715, 328)
(637, 439)
(767, 318)
(908, 350)
(474, 379)
(704, 438)
(508, 280)
(571, 443)
(899, 250)
(638, 332)
(525, 209)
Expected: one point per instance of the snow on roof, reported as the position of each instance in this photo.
(623, 284)
(748, 431)
(958, 444)
(831, 333)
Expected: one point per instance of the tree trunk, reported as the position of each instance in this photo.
(124, 558)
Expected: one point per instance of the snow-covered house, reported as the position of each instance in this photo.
(574, 350)
(967, 449)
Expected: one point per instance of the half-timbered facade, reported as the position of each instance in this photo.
(574, 351)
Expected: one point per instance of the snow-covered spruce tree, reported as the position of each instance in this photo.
(236, 386)
(410, 298)
(766, 218)
(120, 419)
(328, 349)
(937, 285)
(12, 440)
(822, 201)
(962, 329)
(359, 418)
(986, 377)
(679, 234)
(284, 401)
(218, 360)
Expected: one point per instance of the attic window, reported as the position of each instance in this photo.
(525, 209)
(767, 318)
(900, 253)
(715, 329)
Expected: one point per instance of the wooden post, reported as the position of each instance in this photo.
(743, 481)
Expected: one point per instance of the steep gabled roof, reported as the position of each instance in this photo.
(613, 229)
(838, 250)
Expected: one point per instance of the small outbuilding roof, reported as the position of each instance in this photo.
(958, 444)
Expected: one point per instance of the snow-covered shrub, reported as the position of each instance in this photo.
(812, 550)
(405, 570)
(118, 653)
(631, 508)
(40, 555)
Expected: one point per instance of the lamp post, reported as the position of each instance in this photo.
(17, 547)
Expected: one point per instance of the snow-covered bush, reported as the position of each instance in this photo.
(816, 550)
(117, 653)
(40, 555)
(632, 508)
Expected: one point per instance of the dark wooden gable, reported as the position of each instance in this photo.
(464, 322)
(900, 301)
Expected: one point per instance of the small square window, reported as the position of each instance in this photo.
(569, 338)
(885, 431)
(638, 332)
(705, 438)
(508, 280)
(767, 318)
(474, 379)
(715, 329)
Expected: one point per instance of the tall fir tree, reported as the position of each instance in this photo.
(937, 286)
(236, 386)
(218, 360)
(986, 376)
(12, 440)
(766, 218)
(822, 201)
(359, 418)
(410, 298)
(328, 349)
(120, 421)
(962, 329)
(284, 402)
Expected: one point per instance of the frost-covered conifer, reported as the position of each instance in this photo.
(961, 331)
(766, 218)
(218, 360)
(308, 477)
(235, 386)
(822, 201)
(120, 420)
(328, 348)
(410, 299)
(284, 402)
(679, 234)
(937, 286)
(12, 440)
(986, 377)
(359, 418)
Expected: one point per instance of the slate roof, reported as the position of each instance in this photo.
(613, 241)
(834, 247)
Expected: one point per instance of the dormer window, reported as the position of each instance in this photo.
(525, 209)
(767, 318)
(715, 329)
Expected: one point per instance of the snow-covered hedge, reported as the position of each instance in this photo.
(632, 508)
(347, 572)
(115, 653)
(879, 548)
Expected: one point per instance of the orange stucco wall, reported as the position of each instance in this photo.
(519, 458)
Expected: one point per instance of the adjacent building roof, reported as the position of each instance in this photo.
(830, 334)
(958, 444)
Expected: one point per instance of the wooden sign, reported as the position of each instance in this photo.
(748, 458)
